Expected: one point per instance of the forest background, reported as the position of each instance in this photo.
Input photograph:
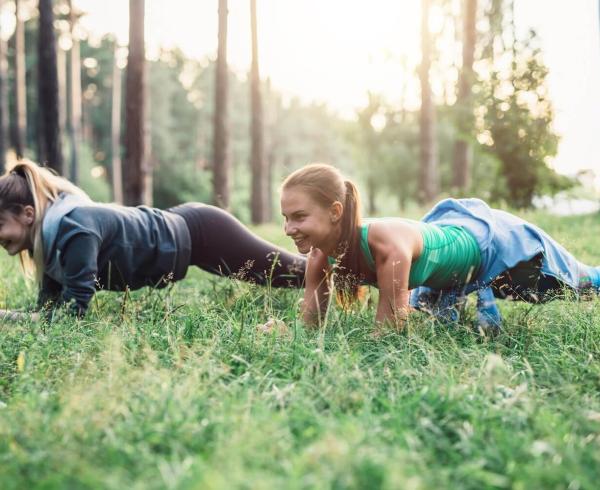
(201, 132)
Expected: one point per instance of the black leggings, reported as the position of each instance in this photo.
(223, 245)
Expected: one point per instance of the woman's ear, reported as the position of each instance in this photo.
(28, 214)
(335, 211)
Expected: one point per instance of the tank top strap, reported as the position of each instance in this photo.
(364, 246)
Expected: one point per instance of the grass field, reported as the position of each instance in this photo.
(178, 389)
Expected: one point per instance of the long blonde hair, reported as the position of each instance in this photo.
(325, 184)
(28, 184)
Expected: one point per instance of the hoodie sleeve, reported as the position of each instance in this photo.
(79, 258)
(49, 294)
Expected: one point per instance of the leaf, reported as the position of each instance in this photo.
(21, 361)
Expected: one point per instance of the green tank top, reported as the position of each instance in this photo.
(450, 257)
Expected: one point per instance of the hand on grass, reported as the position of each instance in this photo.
(17, 316)
(274, 325)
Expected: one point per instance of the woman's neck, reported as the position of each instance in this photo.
(332, 246)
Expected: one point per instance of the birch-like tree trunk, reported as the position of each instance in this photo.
(48, 88)
(429, 173)
(61, 66)
(3, 102)
(221, 164)
(257, 157)
(135, 114)
(464, 102)
(75, 110)
(115, 127)
(20, 84)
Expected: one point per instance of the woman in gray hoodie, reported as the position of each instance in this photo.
(74, 246)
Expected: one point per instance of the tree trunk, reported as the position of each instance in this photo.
(221, 164)
(464, 102)
(135, 117)
(271, 161)
(61, 66)
(147, 196)
(3, 102)
(429, 174)
(20, 84)
(48, 88)
(117, 176)
(75, 112)
(257, 159)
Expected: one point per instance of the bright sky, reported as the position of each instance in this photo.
(337, 50)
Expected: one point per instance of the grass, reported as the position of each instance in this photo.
(178, 389)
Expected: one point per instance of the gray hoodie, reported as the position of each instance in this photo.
(89, 246)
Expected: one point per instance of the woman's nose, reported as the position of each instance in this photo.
(289, 228)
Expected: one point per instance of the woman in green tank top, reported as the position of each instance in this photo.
(321, 212)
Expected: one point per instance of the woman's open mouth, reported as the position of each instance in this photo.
(299, 242)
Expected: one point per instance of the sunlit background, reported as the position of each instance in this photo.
(336, 50)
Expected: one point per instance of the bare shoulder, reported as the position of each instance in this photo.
(395, 235)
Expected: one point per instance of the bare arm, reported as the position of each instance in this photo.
(393, 271)
(17, 316)
(394, 245)
(318, 288)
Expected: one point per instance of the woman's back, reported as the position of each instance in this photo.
(111, 247)
(449, 254)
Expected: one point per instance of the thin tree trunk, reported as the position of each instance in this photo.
(404, 89)
(147, 197)
(257, 159)
(464, 103)
(272, 144)
(75, 112)
(61, 66)
(3, 102)
(221, 164)
(429, 175)
(20, 84)
(135, 117)
(117, 176)
(271, 161)
(48, 87)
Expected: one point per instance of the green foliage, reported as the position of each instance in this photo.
(96, 82)
(180, 129)
(386, 148)
(380, 148)
(178, 389)
(518, 125)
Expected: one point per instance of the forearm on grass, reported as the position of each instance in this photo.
(317, 289)
(316, 301)
(18, 316)
(392, 273)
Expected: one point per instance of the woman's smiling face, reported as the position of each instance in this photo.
(309, 223)
(15, 230)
